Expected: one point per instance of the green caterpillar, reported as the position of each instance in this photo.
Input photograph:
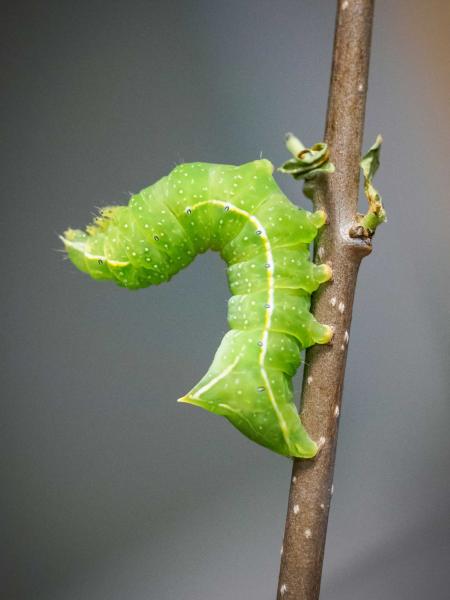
(241, 212)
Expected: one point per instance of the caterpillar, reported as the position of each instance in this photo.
(240, 212)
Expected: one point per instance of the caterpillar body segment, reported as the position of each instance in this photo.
(240, 212)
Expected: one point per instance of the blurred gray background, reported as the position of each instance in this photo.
(110, 489)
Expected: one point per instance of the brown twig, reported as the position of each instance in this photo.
(312, 480)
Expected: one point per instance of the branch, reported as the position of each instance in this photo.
(311, 486)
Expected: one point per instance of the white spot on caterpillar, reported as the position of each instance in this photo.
(333, 301)
(336, 411)
(281, 551)
(322, 441)
(345, 5)
(308, 533)
(332, 489)
(321, 252)
(341, 307)
(283, 589)
(322, 506)
(346, 337)
(360, 87)
(342, 347)
(294, 479)
(296, 509)
(309, 380)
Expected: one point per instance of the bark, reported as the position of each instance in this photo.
(312, 480)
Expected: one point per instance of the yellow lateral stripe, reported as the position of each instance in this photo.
(80, 247)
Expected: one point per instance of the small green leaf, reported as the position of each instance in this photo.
(369, 165)
(307, 162)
